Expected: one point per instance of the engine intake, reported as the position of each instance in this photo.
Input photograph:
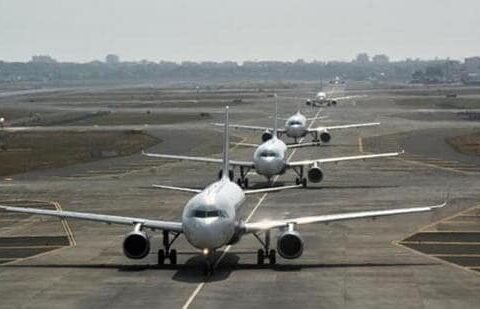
(290, 245)
(136, 245)
(266, 136)
(315, 174)
(325, 137)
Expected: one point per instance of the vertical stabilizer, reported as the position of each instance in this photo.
(275, 124)
(226, 160)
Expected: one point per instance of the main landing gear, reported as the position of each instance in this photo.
(301, 178)
(167, 253)
(266, 252)
(243, 180)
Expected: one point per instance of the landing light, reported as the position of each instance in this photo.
(205, 251)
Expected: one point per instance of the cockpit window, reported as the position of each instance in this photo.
(267, 154)
(294, 122)
(207, 213)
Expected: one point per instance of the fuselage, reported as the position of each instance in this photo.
(321, 96)
(210, 218)
(270, 158)
(296, 126)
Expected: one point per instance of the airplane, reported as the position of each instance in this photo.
(322, 99)
(211, 220)
(296, 127)
(337, 81)
(270, 159)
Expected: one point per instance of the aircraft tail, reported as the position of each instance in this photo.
(226, 160)
(275, 121)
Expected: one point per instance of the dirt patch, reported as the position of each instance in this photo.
(25, 151)
(468, 144)
(140, 118)
(440, 102)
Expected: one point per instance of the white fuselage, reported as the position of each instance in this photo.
(321, 96)
(270, 158)
(210, 218)
(296, 126)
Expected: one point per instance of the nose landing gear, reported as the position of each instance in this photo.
(167, 253)
(209, 267)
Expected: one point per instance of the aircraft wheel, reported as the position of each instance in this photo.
(208, 268)
(239, 182)
(161, 257)
(297, 181)
(260, 257)
(304, 182)
(173, 257)
(245, 183)
(272, 257)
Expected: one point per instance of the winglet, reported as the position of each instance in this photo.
(440, 205)
(226, 161)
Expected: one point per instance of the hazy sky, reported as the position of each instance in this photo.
(219, 30)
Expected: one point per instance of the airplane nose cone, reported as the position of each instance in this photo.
(208, 232)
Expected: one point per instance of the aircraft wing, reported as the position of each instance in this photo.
(177, 188)
(340, 159)
(346, 126)
(245, 127)
(317, 118)
(200, 159)
(255, 227)
(347, 97)
(272, 189)
(147, 223)
(251, 191)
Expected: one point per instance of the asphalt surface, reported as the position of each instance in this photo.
(356, 264)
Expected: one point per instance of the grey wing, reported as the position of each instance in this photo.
(255, 227)
(340, 159)
(245, 127)
(200, 159)
(147, 223)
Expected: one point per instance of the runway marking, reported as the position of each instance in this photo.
(399, 243)
(360, 144)
(440, 242)
(66, 228)
(260, 201)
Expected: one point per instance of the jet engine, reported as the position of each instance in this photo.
(136, 245)
(266, 136)
(290, 245)
(315, 174)
(308, 102)
(325, 137)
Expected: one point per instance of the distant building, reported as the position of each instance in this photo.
(362, 58)
(112, 59)
(42, 59)
(380, 59)
(472, 65)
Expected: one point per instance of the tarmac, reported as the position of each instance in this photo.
(428, 260)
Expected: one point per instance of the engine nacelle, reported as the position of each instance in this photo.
(308, 102)
(325, 137)
(290, 245)
(136, 245)
(266, 136)
(315, 174)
